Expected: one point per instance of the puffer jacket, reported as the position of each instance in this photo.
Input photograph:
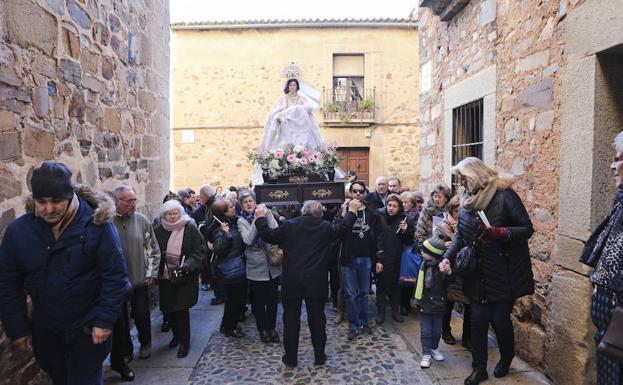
(78, 280)
(504, 269)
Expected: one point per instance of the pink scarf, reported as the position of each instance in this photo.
(174, 245)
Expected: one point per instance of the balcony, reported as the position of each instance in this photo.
(348, 106)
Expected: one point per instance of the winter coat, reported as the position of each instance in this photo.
(345, 255)
(393, 243)
(227, 246)
(424, 228)
(446, 231)
(140, 247)
(305, 241)
(181, 297)
(77, 280)
(258, 268)
(504, 271)
(434, 295)
(375, 200)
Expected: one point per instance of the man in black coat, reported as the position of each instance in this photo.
(305, 241)
(377, 199)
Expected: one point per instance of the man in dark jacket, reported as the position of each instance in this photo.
(65, 253)
(377, 199)
(305, 241)
(360, 249)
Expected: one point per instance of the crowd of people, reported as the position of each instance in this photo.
(87, 261)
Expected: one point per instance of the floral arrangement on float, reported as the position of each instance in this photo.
(296, 163)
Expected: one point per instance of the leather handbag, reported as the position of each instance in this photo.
(612, 342)
(275, 255)
(232, 268)
(179, 276)
(465, 261)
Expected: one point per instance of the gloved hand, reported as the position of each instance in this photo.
(496, 233)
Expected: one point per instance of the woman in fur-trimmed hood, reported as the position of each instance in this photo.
(66, 254)
(503, 271)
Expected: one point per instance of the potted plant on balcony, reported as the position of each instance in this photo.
(365, 105)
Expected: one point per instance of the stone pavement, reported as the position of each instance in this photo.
(390, 356)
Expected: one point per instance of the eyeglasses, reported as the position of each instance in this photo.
(129, 201)
(358, 191)
(419, 201)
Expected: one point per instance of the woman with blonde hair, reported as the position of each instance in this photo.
(493, 228)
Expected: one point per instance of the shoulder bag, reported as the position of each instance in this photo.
(465, 261)
(275, 255)
(232, 269)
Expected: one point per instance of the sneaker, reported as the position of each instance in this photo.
(425, 362)
(366, 329)
(437, 355)
(205, 287)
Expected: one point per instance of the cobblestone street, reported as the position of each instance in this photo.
(390, 356)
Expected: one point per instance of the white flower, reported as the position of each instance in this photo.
(274, 164)
(298, 148)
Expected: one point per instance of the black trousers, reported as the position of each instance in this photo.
(603, 303)
(387, 287)
(334, 279)
(498, 314)
(406, 293)
(236, 297)
(467, 324)
(180, 325)
(70, 358)
(292, 326)
(264, 296)
(122, 341)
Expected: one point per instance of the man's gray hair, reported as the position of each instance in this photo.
(618, 142)
(116, 194)
(207, 190)
(313, 208)
(380, 178)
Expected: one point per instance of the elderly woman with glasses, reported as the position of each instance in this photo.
(182, 247)
(262, 276)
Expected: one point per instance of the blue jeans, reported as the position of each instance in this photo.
(430, 331)
(356, 285)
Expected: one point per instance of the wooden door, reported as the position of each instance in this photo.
(356, 158)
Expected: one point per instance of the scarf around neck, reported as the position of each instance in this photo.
(70, 214)
(259, 243)
(480, 199)
(174, 245)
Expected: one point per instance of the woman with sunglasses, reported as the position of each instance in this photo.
(361, 249)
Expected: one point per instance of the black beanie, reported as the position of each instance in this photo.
(52, 180)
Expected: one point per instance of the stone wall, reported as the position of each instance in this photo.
(523, 44)
(84, 82)
(225, 81)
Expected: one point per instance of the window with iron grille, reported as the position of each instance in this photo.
(467, 138)
(348, 74)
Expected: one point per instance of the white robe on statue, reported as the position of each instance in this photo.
(288, 123)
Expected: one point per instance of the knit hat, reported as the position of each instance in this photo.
(434, 246)
(52, 180)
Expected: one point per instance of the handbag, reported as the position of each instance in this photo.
(232, 268)
(612, 342)
(465, 261)
(409, 266)
(180, 276)
(275, 255)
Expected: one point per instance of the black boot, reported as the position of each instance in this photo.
(502, 368)
(380, 309)
(124, 371)
(476, 377)
(448, 338)
(182, 351)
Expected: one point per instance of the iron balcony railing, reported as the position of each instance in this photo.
(348, 104)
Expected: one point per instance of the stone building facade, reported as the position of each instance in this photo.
(546, 76)
(84, 82)
(226, 77)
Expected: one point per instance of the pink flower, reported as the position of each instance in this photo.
(305, 152)
(278, 153)
(303, 161)
(291, 158)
